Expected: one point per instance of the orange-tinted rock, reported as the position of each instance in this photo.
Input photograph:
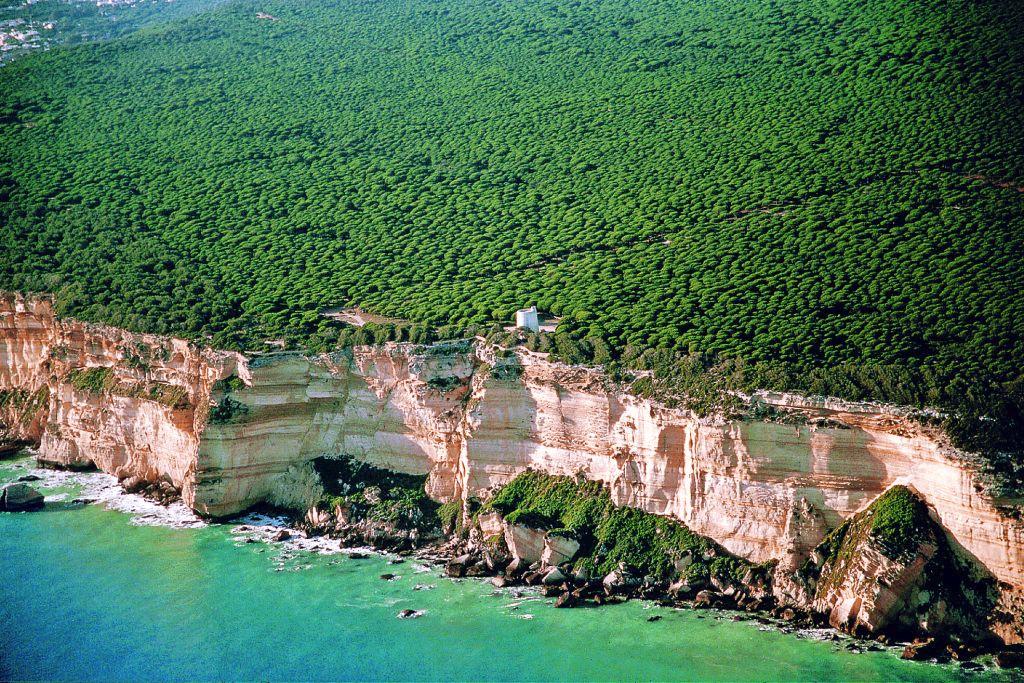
(473, 421)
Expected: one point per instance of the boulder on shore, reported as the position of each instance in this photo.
(456, 567)
(491, 524)
(705, 598)
(680, 589)
(566, 600)
(553, 577)
(524, 543)
(20, 496)
(923, 649)
(619, 581)
(1010, 659)
(559, 549)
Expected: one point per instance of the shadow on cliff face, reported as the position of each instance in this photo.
(894, 569)
(973, 592)
(373, 506)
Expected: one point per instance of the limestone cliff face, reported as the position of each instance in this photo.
(144, 422)
(387, 406)
(473, 419)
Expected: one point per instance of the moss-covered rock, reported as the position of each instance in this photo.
(610, 535)
(891, 568)
(388, 501)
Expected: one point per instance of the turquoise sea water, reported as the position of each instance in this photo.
(87, 594)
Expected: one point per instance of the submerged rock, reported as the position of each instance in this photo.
(19, 496)
(410, 614)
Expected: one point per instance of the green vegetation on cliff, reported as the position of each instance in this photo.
(811, 195)
(17, 406)
(899, 521)
(610, 535)
(99, 380)
(953, 589)
(377, 494)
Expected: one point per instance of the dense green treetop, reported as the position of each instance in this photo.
(801, 184)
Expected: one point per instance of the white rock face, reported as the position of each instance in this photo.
(118, 432)
(524, 543)
(559, 549)
(490, 524)
(763, 490)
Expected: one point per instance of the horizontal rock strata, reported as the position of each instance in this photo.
(246, 429)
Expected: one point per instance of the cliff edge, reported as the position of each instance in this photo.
(229, 431)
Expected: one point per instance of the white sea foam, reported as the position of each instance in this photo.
(265, 528)
(104, 489)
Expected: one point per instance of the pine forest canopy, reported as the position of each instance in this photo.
(822, 195)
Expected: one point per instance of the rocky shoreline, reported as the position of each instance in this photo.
(466, 559)
(487, 548)
(472, 554)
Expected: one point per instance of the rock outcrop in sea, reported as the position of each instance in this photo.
(227, 432)
(18, 497)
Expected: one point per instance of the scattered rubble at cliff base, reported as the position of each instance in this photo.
(565, 536)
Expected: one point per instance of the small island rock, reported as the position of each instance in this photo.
(19, 496)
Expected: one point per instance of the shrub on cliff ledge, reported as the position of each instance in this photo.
(21, 402)
(94, 380)
(444, 384)
(103, 380)
(227, 410)
(609, 534)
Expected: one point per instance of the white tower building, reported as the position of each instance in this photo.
(527, 319)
